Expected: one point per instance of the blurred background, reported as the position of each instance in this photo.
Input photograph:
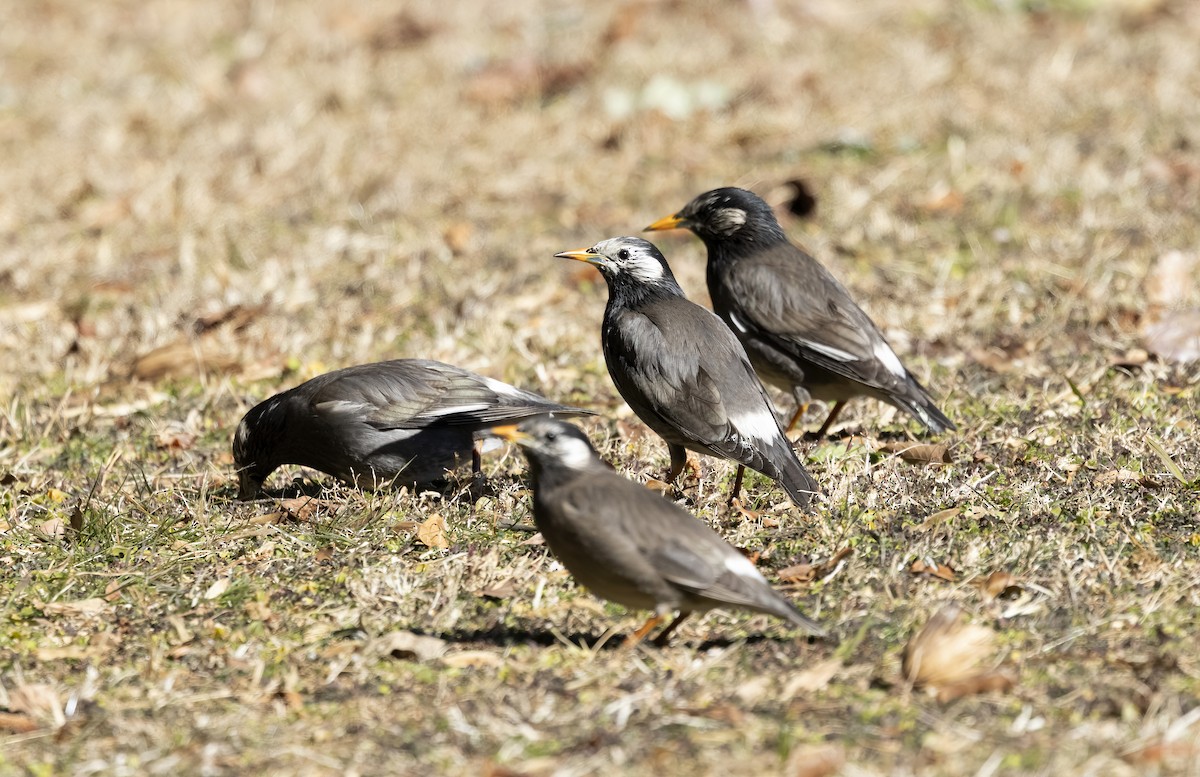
(255, 188)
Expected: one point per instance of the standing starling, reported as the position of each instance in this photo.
(800, 327)
(629, 545)
(404, 421)
(683, 372)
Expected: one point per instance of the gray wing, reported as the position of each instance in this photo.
(788, 300)
(417, 394)
(689, 369)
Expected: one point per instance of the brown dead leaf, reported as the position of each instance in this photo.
(502, 590)
(814, 678)
(940, 517)
(815, 761)
(407, 645)
(53, 529)
(216, 589)
(1172, 281)
(38, 701)
(807, 573)
(181, 358)
(472, 658)
(945, 655)
(174, 440)
(432, 532)
(1175, 337)
(238, 317)
(993, 680)
(324, 554)
(918, 452)
(17, 723)
(302, 508)
(112, 591)
(943, 199)
(933, 569)
(997, 584)
(457, 237)
(86, 607)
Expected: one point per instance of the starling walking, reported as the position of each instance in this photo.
(800, 327)
(627, 544)
(683, 372)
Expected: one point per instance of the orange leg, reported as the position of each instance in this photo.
(633, 639)
(833, 414)
(661, 639)
(801, 409)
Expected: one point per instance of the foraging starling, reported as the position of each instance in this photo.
(800, 327)
(403, 421)
(632, 546)
(683, 372)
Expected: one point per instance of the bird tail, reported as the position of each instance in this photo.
(794, 478)
(782, 606)
(919, 405)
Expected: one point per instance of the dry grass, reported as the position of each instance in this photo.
(275, 189)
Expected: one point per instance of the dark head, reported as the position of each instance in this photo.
(629, 264)
(726, 215)
(551, 446)
(254, 445)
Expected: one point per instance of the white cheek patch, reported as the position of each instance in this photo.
(575, 453)
(741, 566)
(646, 269)
(888, 358)
(731, 217)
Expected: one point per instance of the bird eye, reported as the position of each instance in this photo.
(623, 253)
(551, 436)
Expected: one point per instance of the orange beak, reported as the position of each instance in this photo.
(667, 222)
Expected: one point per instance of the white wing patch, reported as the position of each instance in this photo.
(833, 353)
(503, 389)
(888, 358)
(759, 424)
(741, 566)
(738, 324)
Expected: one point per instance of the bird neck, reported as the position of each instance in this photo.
(750, 238)
(630, 295)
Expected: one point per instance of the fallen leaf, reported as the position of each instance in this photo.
(1171, 280)
(807, 573)
(17, 723)
(457, 237)
(472, 658)
(324, 554)
(93, 606)
(39, 701)
(815, 761)
(181, 358)
(814, 678)
(433, 532)
(1175, 337)
(301, 508)
(945, 655)
(174, 440)
(917, 452)
(933, 569)
(53, 529)
(217, 588)
(940, 517)
(502, 590)
(407, 645)
(112, 591)
(996, 680)
(997, 584)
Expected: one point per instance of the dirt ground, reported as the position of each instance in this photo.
(204, 203)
